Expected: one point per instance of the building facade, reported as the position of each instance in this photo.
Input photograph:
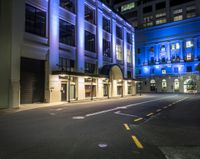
(63, 50)
(148, 13)
(168, 57)
(167, 43)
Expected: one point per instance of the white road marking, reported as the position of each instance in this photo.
(78, 117)
(59, 109)
(122, 107)
(52, 114)
(124, 114)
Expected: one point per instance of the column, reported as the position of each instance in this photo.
(133, 53)
(80, 30)
(12, 15)
(168, 53)
(100, 37)
(181, 51)
(195, 49)
(157, 51)
(125, 51)
(53, 34)
(80, 88)
(146, 55)
(113, 40)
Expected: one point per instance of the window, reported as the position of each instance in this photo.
(161, 21)
(189, 44)
(160, 5)
(190, 8)
(176, 70)
(129, 56)
(66, 33)
(147, 9)
(35, 21)
(67, 64)
(189, 56)
(163, 49)
(90, 68)
(138, 51)
(164, 84)
(129, 74)
(90, 91)
(139, 62)
(129, 38)
(106, 48)
(189, 69)
(191, 14)
(106, 24)
(89, 14)
(151, 49)
(128, 6)
(118, 32)
(89, 41)
(175, 46)
(163, 71)
(68, 4)
(119, 53)
(152, 71)
(178, 17)
(160, 15)
(177, 11)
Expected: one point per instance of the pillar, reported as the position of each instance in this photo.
(100, 37)
(125, 51)
(113, 40)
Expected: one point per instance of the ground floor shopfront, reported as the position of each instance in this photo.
(37, 86)
(189, 83)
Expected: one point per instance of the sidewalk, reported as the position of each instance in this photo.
(25, 107)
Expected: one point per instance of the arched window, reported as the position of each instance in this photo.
(164, 84)
(153, 85)
(176, 84)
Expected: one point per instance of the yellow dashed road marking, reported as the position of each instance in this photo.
(127, 127)
(138, 119)
(149, 114)
(137, 142)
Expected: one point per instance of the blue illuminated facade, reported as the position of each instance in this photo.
(167, 57)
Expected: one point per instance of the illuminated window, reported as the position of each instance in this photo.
(189, 44)
(177, 11)
(89, 41)
(178, 17)
(163, 71)
(175, 46)
(164, 84)
(191, 14)
(190, 8)
(68, 4)
(189, 57)
(35, 21)
(106, 48)
(89, 14)
(176, 84)
(161, 21)
(127, 6)
(129, 56)
(160, 15)
(163, 49)
(66, 33)
(106, 24)
(119, 53)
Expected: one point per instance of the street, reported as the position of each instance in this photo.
(156, 126)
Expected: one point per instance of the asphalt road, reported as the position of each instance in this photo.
(161, 126)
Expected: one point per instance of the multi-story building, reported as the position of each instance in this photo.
(63, 50)
(147, 13)
(167, 43)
